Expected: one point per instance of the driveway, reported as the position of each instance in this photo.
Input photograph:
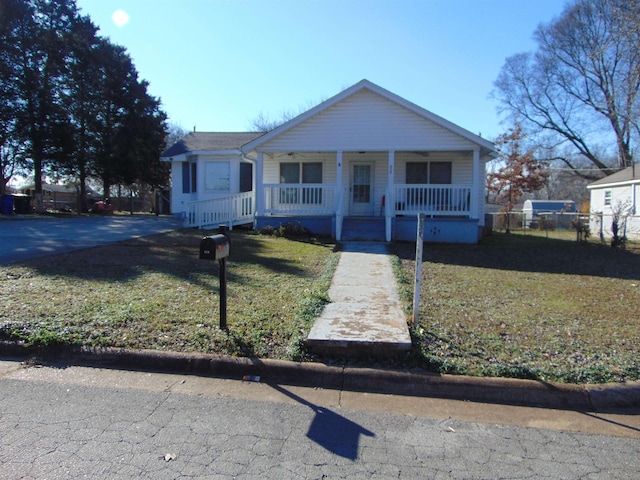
(31, 237)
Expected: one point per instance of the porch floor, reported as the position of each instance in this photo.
(365, 316)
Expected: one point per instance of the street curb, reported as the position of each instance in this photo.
(507, 391)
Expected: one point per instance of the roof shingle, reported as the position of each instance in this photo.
(210, 141)
(628, 174)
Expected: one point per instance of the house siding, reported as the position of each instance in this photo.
(602, 215)
(366, 121)
(178, 199)
(437, 230)
(619, 195)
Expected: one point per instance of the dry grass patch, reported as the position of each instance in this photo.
(526, 306)
(155, 293)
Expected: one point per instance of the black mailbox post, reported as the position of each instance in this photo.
(216, 247)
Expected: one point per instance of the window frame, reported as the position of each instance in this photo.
(309, 196)
(190, 176)
(211, 183)
(412, 167)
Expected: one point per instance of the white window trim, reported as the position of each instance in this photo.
(221, 184)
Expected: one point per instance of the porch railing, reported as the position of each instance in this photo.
(231, 210)
(300, 199)
(432, 199)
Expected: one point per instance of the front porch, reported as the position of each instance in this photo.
(321, 209)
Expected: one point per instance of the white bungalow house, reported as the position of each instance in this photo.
(616, 194)
(365, 160)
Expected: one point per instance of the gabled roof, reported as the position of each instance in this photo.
(628, 175)
(486, 145)
(210, 142)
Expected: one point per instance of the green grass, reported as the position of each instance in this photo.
(514, 305)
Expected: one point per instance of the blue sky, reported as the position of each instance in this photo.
(217, 64)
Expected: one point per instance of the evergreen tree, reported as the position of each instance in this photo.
(74, 100)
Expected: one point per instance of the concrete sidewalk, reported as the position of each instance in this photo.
(365, 315)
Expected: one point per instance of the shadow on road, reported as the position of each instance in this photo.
(331, 431)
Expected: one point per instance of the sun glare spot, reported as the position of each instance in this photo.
(120, 18)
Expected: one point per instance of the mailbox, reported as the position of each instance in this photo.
(215, 247)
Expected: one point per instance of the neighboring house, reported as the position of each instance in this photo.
(59, 197)
(616, 194)
(366, 160)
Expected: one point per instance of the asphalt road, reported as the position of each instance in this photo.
(73, 422)
(32, 237)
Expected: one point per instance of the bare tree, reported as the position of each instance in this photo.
(263, 122)
(581, 87)
(175, 133)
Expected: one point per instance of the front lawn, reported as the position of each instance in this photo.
(514, 305)
(155, 293)
(529, 307)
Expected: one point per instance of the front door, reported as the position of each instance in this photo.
(362, 188)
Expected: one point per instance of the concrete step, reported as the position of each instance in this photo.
(363, 229)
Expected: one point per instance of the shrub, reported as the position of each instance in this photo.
(292, 230)
(583, 232)
(267, 230)
(545, 223)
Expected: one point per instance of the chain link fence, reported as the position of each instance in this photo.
(597, 225)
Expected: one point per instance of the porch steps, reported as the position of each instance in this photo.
(365, 316)
(371, 229)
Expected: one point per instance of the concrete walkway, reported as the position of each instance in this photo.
(365, 315)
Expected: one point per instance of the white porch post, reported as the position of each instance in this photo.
(258, 186)
(339, 195)
(390, 194)
(477, 185)
(339, 170)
